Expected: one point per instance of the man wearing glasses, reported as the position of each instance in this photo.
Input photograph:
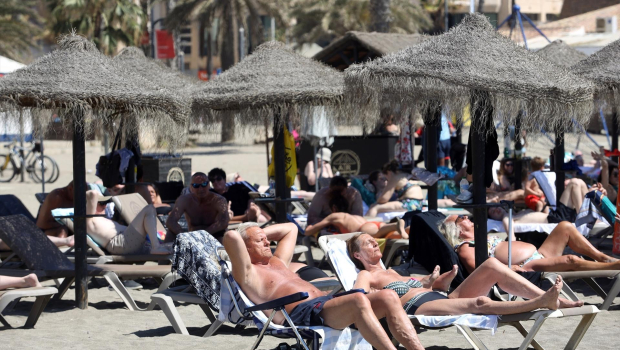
(203, 209)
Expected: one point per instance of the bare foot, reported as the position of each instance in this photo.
(445, 280)
(32, 281)
(427, 282)
(401, 228)
(565, 303)
(550, 300)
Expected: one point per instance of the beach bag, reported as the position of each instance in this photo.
(108, 167)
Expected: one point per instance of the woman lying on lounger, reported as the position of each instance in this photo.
(347, 223)
(459, 232)
(469, 298)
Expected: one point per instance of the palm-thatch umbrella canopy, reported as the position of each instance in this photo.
(563, 55)
(473, 58)
(273, 84)
(603, 69)
(271, 79)
(86, 87)
(473, 64)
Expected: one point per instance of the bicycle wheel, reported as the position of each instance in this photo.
(43, 166)
(8, 170)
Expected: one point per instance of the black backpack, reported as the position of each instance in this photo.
(108, 167)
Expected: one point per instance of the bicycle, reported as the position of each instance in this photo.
(37, 165)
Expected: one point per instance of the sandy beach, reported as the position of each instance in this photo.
(107, 324)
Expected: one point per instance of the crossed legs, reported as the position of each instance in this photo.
(565, 234)
(574, 193)
(492, 272)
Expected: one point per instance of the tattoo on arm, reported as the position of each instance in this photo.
(222, 219)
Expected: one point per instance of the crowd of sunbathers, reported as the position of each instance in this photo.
(210, 203)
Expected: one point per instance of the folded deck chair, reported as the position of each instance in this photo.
(346, 272)
(430, 248)
(41, 255)
(11, 205)
(196, 259)
(12, 296)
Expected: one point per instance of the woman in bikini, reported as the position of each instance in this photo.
(409, 195)
(470, 297)
(459, 232)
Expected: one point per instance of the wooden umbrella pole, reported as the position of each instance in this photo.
(558, 160)
(430, 161)
(614, 132)
(481, 110)
(282, 191)
(79, 220)
(518, 163)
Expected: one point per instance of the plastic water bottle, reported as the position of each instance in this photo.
(464, 184)
(272, 187)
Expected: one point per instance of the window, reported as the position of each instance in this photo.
(535, 17)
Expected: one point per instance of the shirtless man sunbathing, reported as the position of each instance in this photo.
(204, 210)
(264, 276)
(347, 223)
(119, 239)
(58, 198)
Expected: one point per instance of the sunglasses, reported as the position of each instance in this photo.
(460, 217)
(216, 178)
(204, 184)
(509, 164)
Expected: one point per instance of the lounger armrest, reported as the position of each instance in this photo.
(279, 303)
(351, 291)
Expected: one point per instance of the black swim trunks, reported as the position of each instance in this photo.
(307, 313)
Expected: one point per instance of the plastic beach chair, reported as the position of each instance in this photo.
(346, 272)
(42, 257)
(8, 298)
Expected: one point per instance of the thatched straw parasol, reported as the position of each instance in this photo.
(561, 54)
(472, 58)
(273, 84)
(603, 69)
(271, 79)
(473, 64)
(85, 87)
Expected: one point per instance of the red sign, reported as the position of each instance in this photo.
(165, 44)
(202, 75)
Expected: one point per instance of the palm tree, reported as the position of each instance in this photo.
(379, 16)
(231, 14)
(18, 28)
(323, 20)
(106, 22)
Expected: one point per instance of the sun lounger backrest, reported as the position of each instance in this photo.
(11, 205)
(130, 205)
(429, 248)
(31, 244)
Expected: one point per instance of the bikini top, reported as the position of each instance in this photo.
(401, 288)
(404, 189)
(492, 243)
